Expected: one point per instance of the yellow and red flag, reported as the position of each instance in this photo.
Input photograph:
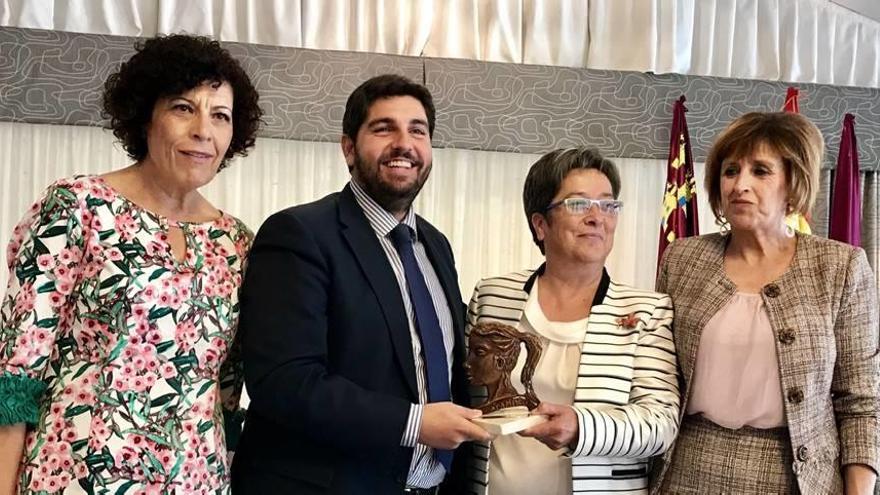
(680, 199)
(796, 221)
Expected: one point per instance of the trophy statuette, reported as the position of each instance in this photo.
(493, 353)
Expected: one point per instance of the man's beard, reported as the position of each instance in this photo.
(390, 198)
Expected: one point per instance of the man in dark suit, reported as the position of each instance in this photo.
(352, 323)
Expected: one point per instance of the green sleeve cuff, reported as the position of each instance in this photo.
(232, 423)
(20, 399)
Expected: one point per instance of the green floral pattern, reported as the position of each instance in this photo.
(131, 345)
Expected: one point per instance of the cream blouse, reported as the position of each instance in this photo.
(736, 374)
(520, 465)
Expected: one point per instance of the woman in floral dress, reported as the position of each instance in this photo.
(117, 366)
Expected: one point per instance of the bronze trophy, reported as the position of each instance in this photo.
(493, 351)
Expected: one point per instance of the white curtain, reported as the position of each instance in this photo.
(811, 41)
(474, 197)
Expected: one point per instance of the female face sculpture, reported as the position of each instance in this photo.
(493, 351)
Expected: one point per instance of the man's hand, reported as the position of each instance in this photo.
(446, 425)
(559, 431)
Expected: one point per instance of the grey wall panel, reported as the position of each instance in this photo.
(530, 109)
(56, 77)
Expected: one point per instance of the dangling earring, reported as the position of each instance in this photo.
(786, 227)
(723, 226)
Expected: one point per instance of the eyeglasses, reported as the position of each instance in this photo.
(580, 206)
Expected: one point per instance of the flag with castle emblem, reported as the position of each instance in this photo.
(680, 198)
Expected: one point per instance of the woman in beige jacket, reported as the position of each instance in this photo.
(776, 332)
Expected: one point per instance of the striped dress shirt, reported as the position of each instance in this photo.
(424, 471)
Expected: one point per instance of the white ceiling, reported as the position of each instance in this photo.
(867, 8)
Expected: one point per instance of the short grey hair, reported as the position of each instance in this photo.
(546, 176)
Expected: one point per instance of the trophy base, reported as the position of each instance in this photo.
(507, 421)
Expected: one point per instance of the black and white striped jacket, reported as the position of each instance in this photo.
(626, 400)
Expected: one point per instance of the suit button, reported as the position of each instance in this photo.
(771, 290)
(786, 336)
(803, 454)
(795, 395)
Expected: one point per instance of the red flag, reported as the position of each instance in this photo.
(680, 199)
(791, 101)
(796, 221)
(846, 205)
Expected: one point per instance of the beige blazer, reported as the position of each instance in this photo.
(824, 313)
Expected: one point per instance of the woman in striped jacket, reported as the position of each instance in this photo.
(607, 373)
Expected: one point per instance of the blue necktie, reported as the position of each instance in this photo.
(427, 323)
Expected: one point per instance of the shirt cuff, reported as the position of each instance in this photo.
(20, 399)
(413, 425)
(580, 443)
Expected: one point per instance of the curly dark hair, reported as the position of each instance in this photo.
(168, 66)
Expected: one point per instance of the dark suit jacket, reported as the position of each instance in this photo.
(327, 353)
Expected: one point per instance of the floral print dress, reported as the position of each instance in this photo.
(118, 356)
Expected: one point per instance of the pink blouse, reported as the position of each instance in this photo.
(736, 376)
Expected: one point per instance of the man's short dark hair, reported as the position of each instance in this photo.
(168, 66)
(379, 87)
(546, 175)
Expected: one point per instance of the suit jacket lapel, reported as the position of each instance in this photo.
(707, 299)
(369, 254)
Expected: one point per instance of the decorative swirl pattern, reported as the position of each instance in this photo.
(56, 77)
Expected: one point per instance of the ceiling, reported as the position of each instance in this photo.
(867, 8)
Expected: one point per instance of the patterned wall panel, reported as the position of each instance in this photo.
(530, 109)
(56, 77)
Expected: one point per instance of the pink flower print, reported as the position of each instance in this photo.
(153, 336)
(114, 254)
(84, 397)
(80, 470)
(126, 226)
(12, 252)
(139, 311)
(64, 285)
(149, 293)
(155, 249)
(24, 300)
(186, 335)
(219, 344)
(97, 224)
(36, 484)
(96, 250)
(61, 272)
(86, 215)
(167, 370)
(46, 262)
(138, 384)
(210, 360)
(95, 191)
(92, 269)
(77, 187)
(165, 299)
(152, 364)
(125, 456)
(56, 299)
(69, 255)
(108, 195)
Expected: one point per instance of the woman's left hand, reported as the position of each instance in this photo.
(559, 431)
